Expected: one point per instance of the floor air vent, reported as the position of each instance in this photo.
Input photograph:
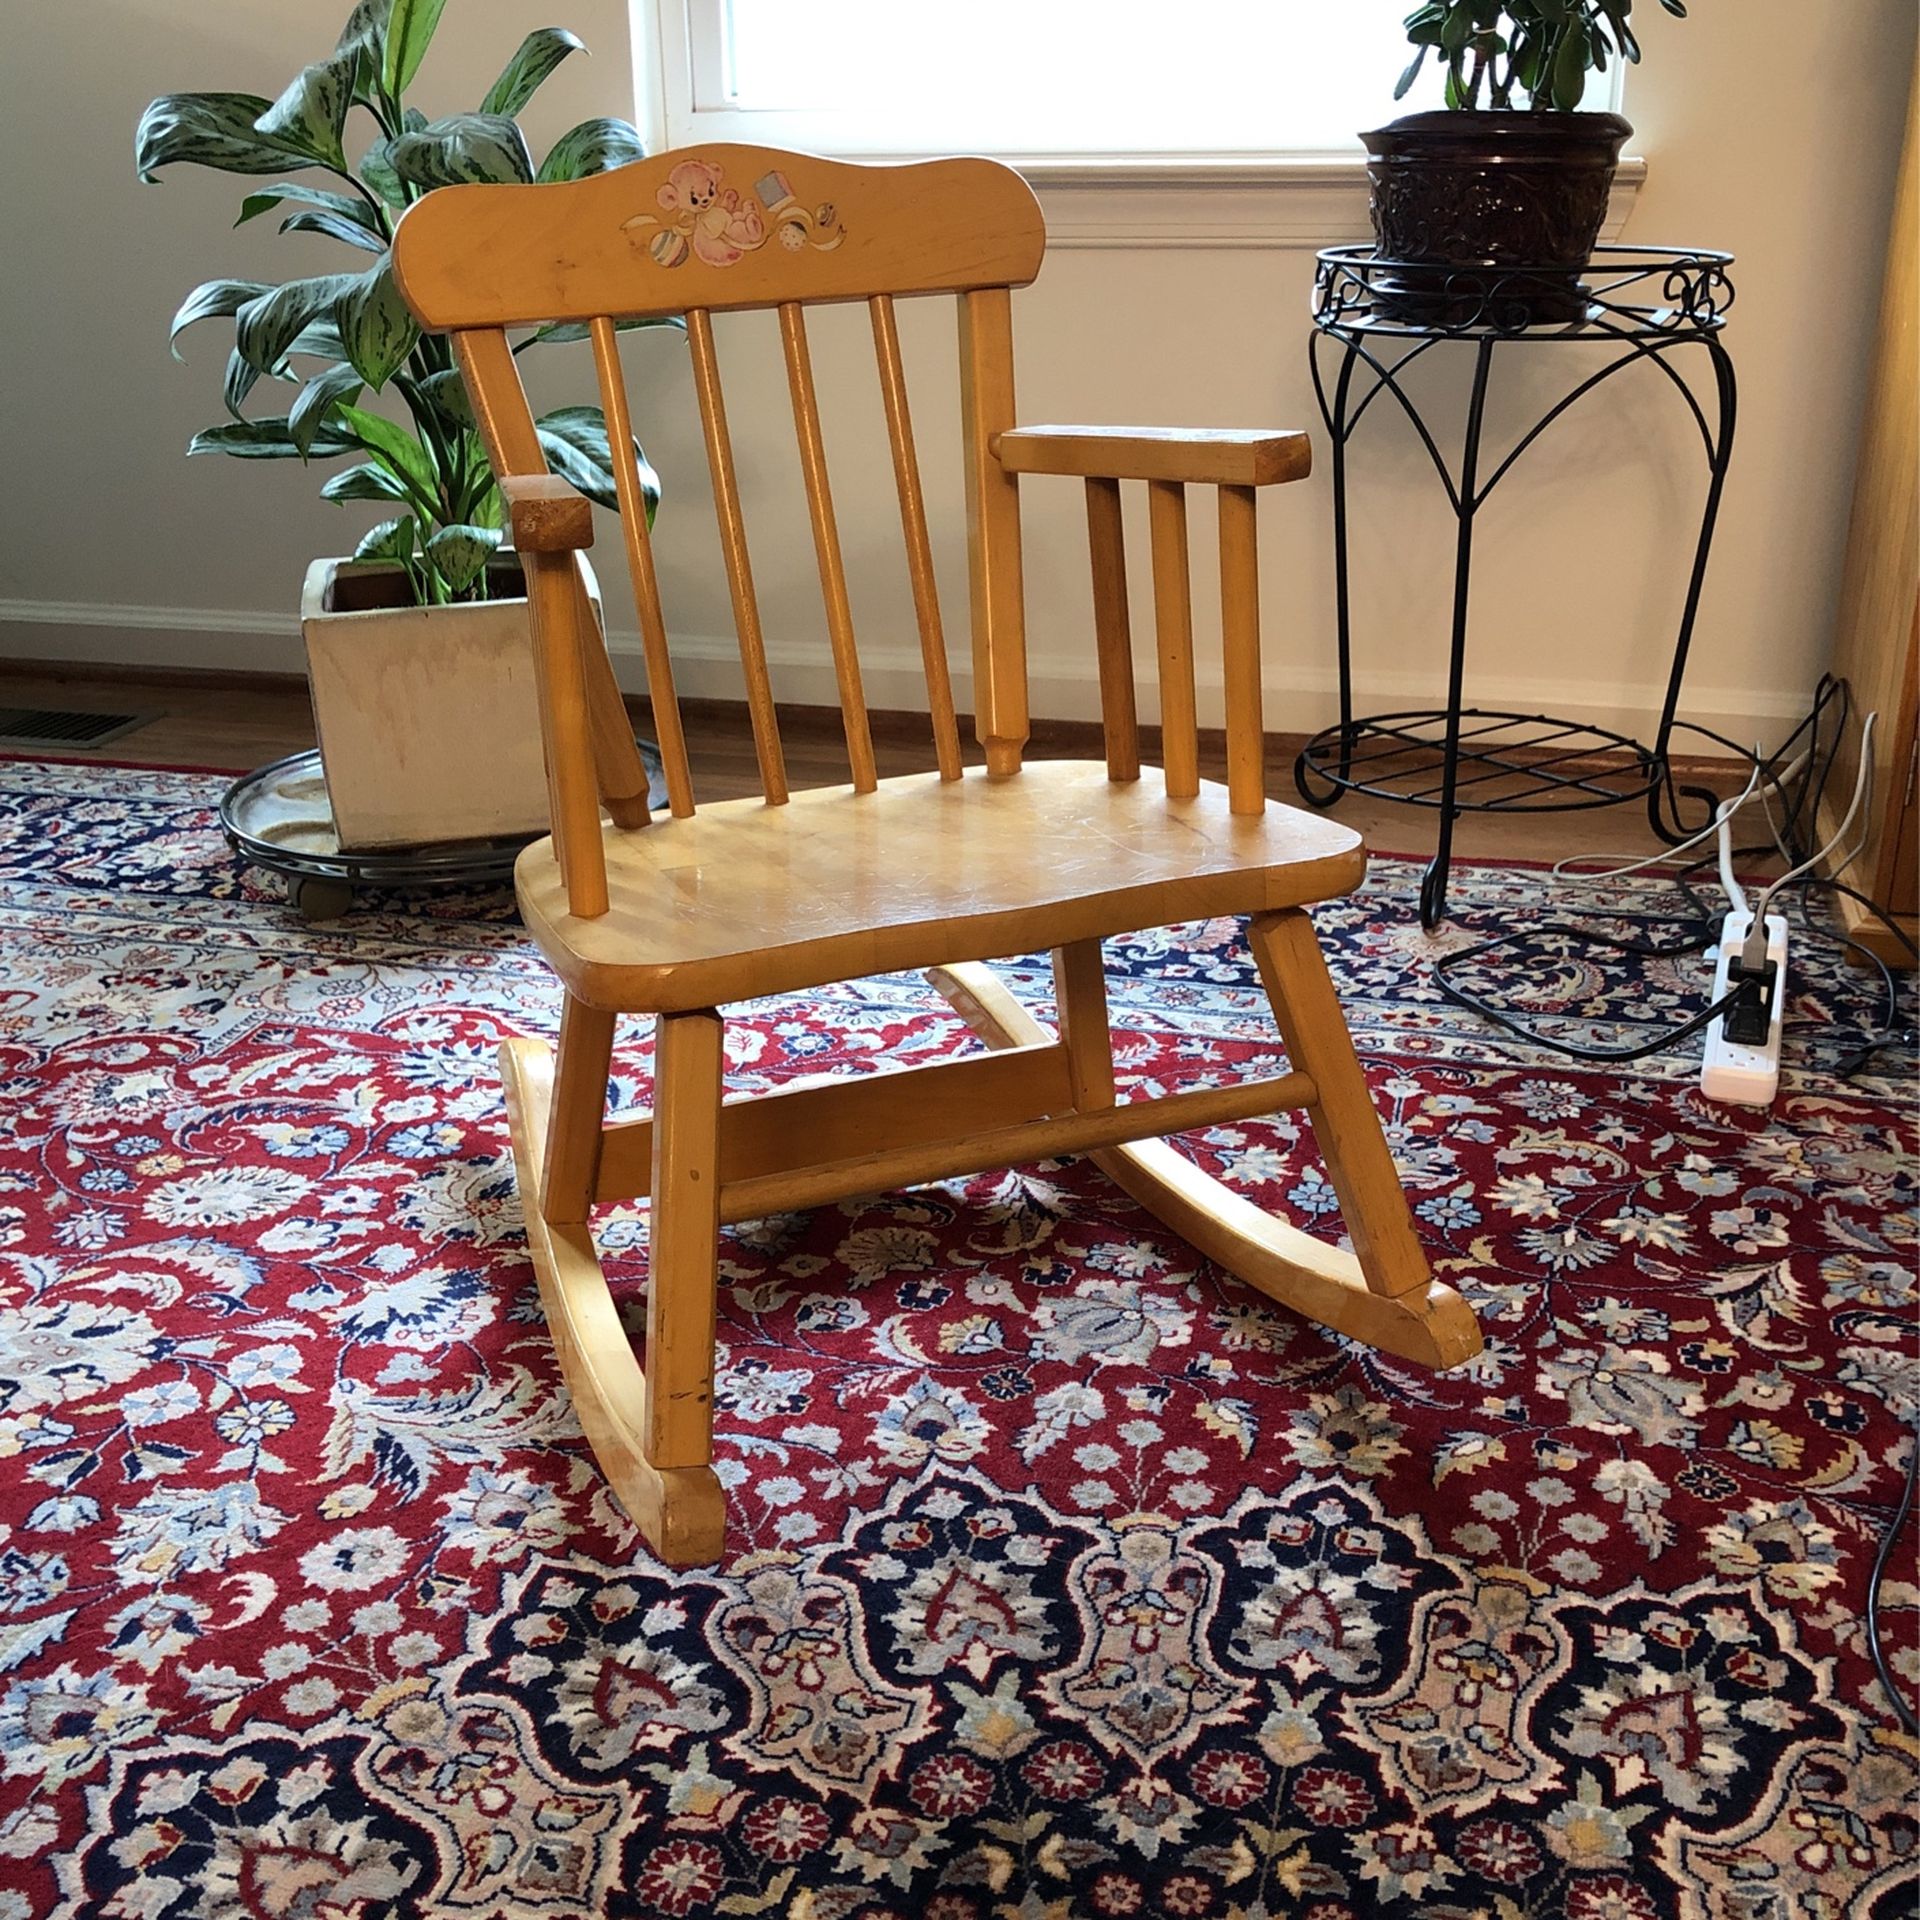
(48, 727)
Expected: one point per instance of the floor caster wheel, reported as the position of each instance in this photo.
(314, 899)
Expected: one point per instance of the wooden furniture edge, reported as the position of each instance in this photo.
(1862, 926)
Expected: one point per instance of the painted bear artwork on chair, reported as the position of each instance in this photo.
(714, 223)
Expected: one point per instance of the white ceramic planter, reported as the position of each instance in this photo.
(428, 719)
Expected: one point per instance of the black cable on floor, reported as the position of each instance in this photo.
(1878, 912)
(1795, 835)
(1876, 1647)
(1891, 1032)
(1874, 1041)
(1573, 1049)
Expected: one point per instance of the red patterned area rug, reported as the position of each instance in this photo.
(1066, 1577)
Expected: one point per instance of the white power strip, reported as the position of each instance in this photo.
(1746, 1076)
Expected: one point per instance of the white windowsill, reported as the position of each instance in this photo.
(1296, 202)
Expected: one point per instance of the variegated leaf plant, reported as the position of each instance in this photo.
(340, 338)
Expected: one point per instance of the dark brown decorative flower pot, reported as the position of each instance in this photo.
(1461, 199)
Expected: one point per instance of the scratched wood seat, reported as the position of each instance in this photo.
(677, 916)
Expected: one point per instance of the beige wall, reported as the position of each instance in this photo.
(113, 547)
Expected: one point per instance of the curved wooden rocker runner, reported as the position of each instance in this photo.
(940, 871)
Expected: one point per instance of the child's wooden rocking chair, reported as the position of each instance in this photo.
(943, 870)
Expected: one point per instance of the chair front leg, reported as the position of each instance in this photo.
(683, 1254)
(1345, 1125)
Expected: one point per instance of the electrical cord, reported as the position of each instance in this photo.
(1892, 1032)
(1755, 952)
(1563, 868)
(1874, 908)
(1701, 938)
(1800, 774)
(1803, 888)
(1792, 838)
(1826, 693)
(1573, 1049)
(1876, 1647)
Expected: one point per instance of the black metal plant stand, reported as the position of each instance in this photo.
(1651, 303)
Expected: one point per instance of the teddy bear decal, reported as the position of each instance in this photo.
(715, 224)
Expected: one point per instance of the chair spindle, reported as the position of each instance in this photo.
(573, 803)
(624, 780)
(993, 530)
(733, 541)
(826, 547)
(1173, 620)
(646, 580)
(1240, 633)
(913, 529)
(554, 597)
(1113, 629)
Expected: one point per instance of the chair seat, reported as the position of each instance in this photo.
(743, 899)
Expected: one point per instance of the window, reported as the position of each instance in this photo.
(1133, 79)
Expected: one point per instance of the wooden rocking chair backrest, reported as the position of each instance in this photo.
(728, 228)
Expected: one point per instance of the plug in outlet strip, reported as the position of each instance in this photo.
(1746, 1076)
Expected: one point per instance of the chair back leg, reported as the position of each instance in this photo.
(1428, 1322)
(1080, 991)
(579, 1111)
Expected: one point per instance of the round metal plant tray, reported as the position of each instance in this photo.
(277, 817)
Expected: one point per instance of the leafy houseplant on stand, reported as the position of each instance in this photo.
(1463, 195)
(418, 647)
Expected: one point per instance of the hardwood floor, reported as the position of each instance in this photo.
(236, 721)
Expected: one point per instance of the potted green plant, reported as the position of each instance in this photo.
(1510, 173)
(418, 644)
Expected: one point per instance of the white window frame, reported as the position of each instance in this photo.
(1282, 199)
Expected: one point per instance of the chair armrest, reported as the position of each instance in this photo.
(1200, 456)
(547, 515)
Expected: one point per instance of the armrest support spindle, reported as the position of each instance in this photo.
(1173, 623)
(1113, 630)
(1240, 640)
(1169, 460)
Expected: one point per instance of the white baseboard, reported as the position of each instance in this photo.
(1300, 697)
(212, 639)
